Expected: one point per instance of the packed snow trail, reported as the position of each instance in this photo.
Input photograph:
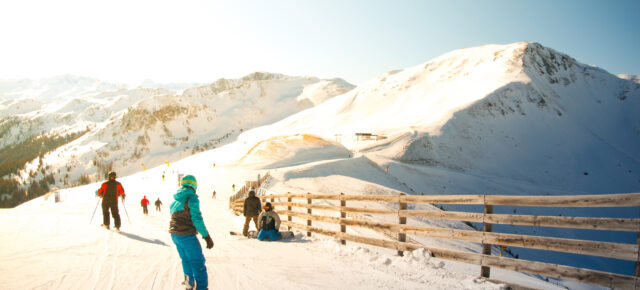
(48, 245)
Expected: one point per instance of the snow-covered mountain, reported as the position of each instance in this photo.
(519, 112)
(134, 128)
(497, 119)
(54, 88)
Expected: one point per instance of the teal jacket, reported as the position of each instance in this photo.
(186, 221)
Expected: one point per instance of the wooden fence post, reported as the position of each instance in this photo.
(402, 237)
(308, 212)
(343, 228)
(638, 257)
(486, 248)
(289, 209)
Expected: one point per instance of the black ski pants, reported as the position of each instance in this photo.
(113, 206)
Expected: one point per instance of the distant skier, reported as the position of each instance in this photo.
(214, 194)
(252, 208)
(233, 188)
(109, 192)
(186, 222)
(269, 224)
(144, 203)
(158, 204)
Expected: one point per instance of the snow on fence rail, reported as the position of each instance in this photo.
(488, 238)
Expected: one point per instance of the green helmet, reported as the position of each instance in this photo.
(112, 175)
(189, 181)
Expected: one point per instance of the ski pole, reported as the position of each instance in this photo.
(94, 211)
(125, 211)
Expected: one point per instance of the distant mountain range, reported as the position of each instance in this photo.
(520, 113)
(134, 128)
(518, 119)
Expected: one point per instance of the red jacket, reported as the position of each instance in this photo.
(110, 191)
(144, 201)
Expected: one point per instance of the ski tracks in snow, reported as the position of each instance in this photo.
(95, 271)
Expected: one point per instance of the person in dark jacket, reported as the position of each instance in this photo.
(144, 203)
(109, 192)
(158, 204)
(186, 222)
(252, 208)
(269, 224)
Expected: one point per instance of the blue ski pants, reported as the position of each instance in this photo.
(273, 235)
(192, 259)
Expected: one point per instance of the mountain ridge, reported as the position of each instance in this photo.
(134, 128)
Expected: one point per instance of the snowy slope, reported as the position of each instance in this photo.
(49, 245)
(133, 129)
(521, 112)
(496, 119)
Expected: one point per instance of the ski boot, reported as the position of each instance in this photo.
(105, 226)
(186, 283)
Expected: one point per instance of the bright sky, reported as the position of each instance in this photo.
(201, 41)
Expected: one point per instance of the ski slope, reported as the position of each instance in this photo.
(446, 144)
(49, 245)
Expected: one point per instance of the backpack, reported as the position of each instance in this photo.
(267, 223)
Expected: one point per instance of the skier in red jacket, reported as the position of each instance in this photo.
(144, 203)
(109, 192)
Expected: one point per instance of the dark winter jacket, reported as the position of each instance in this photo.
(186, 218)
(252, 205)
(158, 202)
(269, 220)
(110, 191)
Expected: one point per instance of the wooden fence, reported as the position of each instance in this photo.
(488, 238)
(242, 193)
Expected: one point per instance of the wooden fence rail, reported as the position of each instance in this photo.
(244, 190)
(621, 251)
(610, 224)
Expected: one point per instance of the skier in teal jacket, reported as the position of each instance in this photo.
(186, 222)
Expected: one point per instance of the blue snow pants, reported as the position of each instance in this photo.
(273, 235)
(192, 259)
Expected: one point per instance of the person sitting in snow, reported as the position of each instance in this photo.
(269, 225)
(109, 192)
(144, 203)
(186, 222)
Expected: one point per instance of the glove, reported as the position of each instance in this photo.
(209, 241)
(123, 198)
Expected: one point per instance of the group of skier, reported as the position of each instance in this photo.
(186, 222)
(145, 202)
